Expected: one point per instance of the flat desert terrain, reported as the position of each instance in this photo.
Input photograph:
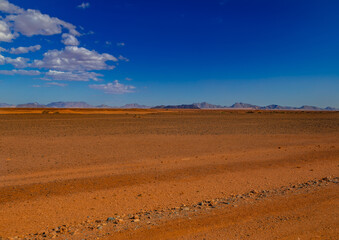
(157, 174)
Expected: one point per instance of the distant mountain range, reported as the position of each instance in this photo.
(202, 105)
(183, 106)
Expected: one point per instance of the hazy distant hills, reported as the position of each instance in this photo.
(183, 106)
(205, 105)
(69, 105)
(5, 105)
(30, 105)
(202, 105)
(134, 105)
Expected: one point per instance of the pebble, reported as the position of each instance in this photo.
(110, 219)
(206, 204)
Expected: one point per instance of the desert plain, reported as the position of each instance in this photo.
(168, 174)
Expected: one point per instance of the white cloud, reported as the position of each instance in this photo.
(72, 63)
(114, 88)
(122, 58)
(120, 44)
(33, 22)
(128, 79)
(7, 7)
(56, 84)
(2, 60)
(73, 58)
(69, 39)
(20, 72)
(5, 32)
(18, 62)
(21, 50)
(71, 76)
(83, 5)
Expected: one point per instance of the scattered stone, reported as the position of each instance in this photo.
(110, 219)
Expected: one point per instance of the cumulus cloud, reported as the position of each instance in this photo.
(33, 22)
(73, 58)
(83, 5)
(128, 79)
(21, 50)
(72, 76)
(114, 88)
(5, 33)
(18, 62)
(120, 44)
(69, 39)
(72, 63)
(7, 7)
(20, 72)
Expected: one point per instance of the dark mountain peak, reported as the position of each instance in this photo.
(205, 105)
(182, 106)
(306, 107)
(134, 105)
(103, 106)
(244, 105)
(30, 105)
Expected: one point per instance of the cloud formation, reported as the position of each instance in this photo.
(33, 22)
(114, 88)
(7, 7)
(72, 63)
(56, 84)
(71, 76)
(69, 39)
(21, 50)
(73, 58)
(122, 58)
(5, 32)
(29, 23)
(83, 5)
(18, 62)
(20, 72)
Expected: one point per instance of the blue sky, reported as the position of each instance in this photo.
(170, 52)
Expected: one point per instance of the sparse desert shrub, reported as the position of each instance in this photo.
(45, 112)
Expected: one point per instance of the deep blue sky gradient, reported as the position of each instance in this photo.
(258, 51)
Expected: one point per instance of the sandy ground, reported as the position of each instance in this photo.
(62, 175)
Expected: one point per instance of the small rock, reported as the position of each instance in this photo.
(118, 221)
(136, 220)
(110, 219)
(186, 209)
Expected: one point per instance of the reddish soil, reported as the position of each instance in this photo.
(62, 175)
